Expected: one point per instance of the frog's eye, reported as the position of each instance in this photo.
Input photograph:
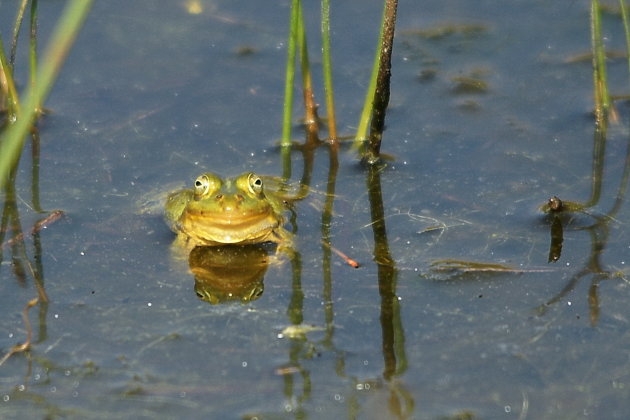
(202, 184)
(206, 185)
(255, 183)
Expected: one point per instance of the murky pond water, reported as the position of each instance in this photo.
(490, 115)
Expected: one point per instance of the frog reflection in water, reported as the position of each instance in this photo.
(229, 273)
(236, 211)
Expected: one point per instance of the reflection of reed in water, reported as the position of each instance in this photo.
(401, 404)
(560, 213)
(20, 115)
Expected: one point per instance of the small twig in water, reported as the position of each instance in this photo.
(39, 225)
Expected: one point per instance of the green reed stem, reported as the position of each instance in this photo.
(285, 158)
(33, 43)
(602, 97)
(66, 30)
(327, 70)
(16, 30)
(366, 114)
(290, 76)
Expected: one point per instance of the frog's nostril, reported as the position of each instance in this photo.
(239, 197)
(219, 196)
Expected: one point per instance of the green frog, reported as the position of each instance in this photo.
(220, 211)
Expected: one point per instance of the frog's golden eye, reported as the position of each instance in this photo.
(202, 183)
(255, 183)
(206, 185)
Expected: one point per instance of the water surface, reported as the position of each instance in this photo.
(152, 95)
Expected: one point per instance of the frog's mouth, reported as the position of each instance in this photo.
(227, 228)
(228, 220)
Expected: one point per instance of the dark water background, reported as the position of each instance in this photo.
(153, 95)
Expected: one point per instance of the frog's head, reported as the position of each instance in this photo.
(234, 210)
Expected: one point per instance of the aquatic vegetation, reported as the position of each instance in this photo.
(602, 96)
(21, 114)
(377, 95)
(467, 85)
(21, 118)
